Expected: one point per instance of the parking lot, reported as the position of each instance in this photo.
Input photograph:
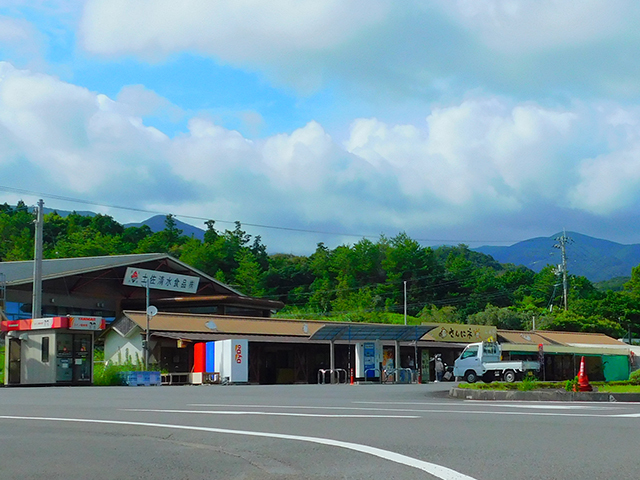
(308, 431)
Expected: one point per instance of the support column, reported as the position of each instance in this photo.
(332, 360)
(397, 377)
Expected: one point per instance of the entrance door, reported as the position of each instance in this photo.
(15, 352)
(81, 358)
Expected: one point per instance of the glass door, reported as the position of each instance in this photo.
(82, 358)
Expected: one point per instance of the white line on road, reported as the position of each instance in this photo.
(303, 407)
(463, 412)
(516, 404)
(438, 471)
(539, 406)
(282, 414)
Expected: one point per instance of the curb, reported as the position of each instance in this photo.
(542, 396)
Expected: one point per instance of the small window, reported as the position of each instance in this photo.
(45, 349)
(470, 352)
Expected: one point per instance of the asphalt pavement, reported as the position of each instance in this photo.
(308, 432)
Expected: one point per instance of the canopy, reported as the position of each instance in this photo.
(370, 332)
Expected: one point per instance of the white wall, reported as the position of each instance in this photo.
(117, 348)
(32, 369)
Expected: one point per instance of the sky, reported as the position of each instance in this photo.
(484, 122)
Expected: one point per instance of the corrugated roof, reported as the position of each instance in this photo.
(17, 273)
(209, 337)
(523, 338)
(21, 273)
(199, 323)
(580, 338)
(204, 326)
(371, 331)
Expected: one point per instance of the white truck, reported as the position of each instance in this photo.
(483, 360)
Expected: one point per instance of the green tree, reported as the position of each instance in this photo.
(249, 276)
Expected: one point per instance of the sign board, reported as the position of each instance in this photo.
(454, 332)
(72, 323)
(86, 323)
(138, 277)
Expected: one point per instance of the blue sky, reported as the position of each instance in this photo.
(457, 121)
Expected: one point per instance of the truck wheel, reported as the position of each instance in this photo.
(509, 376)
(470, 376)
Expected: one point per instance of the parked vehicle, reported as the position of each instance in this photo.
(483, 361)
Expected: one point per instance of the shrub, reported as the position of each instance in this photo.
(529, 382)
(571, 385)
(634, 378)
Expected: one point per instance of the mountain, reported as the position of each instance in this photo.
(156, 224)
(66, 213)
(594, 258)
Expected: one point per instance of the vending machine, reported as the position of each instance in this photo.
(368, 360)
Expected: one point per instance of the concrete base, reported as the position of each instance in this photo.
(542, 395)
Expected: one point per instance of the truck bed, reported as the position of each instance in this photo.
(517, 365)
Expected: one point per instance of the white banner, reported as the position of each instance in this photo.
(138, 277)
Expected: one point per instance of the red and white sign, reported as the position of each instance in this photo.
(86, 323)
(73, 323)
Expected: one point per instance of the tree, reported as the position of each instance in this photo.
(249, 277)
(503, 318)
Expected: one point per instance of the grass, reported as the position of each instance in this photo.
(611, 387)
(619, 388)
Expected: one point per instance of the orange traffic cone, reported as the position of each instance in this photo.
(583, 380)
(352, 376)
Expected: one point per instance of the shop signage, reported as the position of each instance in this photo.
(86, 323)
(453, 332)
(139, 277)
(72, 323)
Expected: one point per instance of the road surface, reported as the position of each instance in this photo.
(308, 432)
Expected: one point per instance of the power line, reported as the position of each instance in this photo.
(255, 225)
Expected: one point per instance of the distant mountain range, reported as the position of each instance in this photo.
(156, 224)
(593, 258)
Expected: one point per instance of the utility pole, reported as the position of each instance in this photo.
(562, 244)
(405, 302)
(36, 303)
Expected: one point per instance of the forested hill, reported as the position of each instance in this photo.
(364, 281)
(596, 259)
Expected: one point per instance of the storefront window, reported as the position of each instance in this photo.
(45, 349)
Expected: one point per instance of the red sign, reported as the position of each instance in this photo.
(73, 323)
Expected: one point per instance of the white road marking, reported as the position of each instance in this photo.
(491, 403)
(543, 406)
(438, 471)
(282, 414)
(368, 409)
(518, 404)
(463, 412)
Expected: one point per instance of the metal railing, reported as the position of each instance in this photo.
(336, 375)
(399, 375)
(376, 373)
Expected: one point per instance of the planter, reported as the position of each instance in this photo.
(140, 379)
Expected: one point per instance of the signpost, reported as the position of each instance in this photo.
(147, 279)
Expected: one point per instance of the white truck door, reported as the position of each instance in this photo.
(469, 360)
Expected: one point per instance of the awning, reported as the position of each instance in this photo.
(371, 332)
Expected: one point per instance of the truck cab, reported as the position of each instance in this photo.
(484, 360)
(474, 355)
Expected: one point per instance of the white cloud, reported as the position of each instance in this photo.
(66, 137)
(20, 38)
(608, 183)
(519, 26)
(481, 154)
(381, 48)
(483, 164)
